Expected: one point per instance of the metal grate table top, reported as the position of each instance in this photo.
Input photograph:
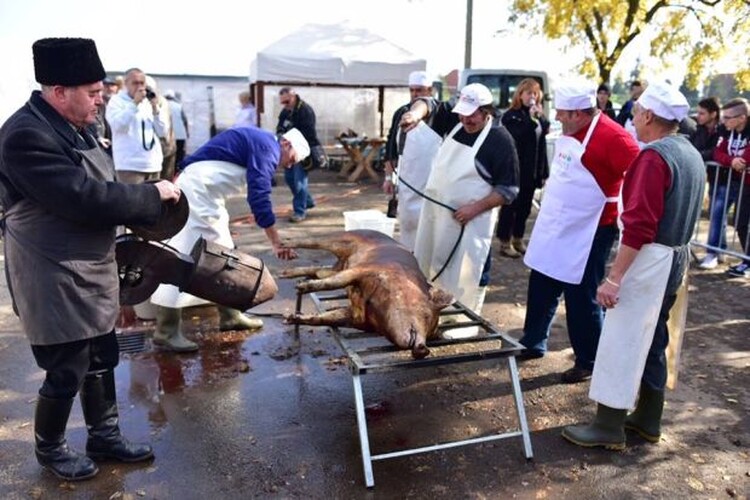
(369, 352)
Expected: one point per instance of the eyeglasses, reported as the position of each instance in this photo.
(725, 117)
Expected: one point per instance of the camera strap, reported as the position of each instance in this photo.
(143, 137)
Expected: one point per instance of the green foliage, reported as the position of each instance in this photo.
(607, 27)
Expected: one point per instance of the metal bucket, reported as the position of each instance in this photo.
(229, 277)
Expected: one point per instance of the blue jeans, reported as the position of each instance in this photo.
(296, 179)
(584, 315)
(720, 206)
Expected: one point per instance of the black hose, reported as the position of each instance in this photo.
(440, 203)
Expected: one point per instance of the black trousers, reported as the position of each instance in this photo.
(67, 364)
(513, 217)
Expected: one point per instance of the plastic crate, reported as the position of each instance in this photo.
(369, 219)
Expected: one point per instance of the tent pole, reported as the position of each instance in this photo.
(381, 108)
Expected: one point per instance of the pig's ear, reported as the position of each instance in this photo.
(440, 298)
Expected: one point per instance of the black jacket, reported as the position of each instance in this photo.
(392, 144)
(301, 117)
(41, 164)
(532, 151)
(608, 110)
(705, 141)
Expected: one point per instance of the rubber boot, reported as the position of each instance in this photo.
(518, 245)
(646, 419)
(606, 431)
(99, 403)
(168, 332)
(232, 319)
(52, 451)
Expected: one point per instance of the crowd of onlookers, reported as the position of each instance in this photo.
(721, 136)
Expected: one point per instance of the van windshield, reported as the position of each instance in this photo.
(502, 86)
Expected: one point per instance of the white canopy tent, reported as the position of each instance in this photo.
(347, 70)
(337, 54)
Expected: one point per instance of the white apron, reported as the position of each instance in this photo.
(414, 166)
(206, 185)
(629, 328)
(573, 202)
(454, 181)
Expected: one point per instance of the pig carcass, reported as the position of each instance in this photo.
(388, 293)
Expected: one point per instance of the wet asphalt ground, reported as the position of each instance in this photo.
(271, 415)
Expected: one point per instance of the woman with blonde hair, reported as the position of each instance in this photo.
(527, 124)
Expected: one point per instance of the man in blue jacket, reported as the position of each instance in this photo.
(225, 165)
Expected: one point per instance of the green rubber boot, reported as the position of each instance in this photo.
(232, 319)
(607, 430)
(168, 334)
(646, 419)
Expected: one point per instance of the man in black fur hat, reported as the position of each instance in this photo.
(62, 206)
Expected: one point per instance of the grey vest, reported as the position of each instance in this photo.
(684, 197)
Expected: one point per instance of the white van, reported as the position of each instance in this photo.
(503, 82)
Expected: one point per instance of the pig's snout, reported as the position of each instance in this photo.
(418, 348)
(419, 351)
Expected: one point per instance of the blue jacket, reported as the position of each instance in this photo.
(256, 150)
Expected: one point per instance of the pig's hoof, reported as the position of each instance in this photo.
(419, 351)
(291, 319)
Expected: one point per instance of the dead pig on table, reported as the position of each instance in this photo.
(388, 293)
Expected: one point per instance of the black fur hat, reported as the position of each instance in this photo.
(67, 61)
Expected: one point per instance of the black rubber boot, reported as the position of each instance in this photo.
(646, 419)
(52, 451)
(99, 403)
(607, 430)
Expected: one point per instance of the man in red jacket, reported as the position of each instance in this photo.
(733, 151)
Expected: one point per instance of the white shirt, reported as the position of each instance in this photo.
(135, 131)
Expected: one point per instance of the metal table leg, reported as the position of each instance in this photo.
(364, 440)
(518, 398)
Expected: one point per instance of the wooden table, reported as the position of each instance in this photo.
(362, 152)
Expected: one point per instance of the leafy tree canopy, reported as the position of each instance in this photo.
(697, 32)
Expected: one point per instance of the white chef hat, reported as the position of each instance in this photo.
(575, 95)
(472, 96)
(665, 101)
(299, 143)
(419, 79)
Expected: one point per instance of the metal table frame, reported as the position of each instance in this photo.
(359, 365)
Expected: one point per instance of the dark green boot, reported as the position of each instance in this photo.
(646, 419)
(232, 319)
(168, 334)
(607, 430)
(52, 451)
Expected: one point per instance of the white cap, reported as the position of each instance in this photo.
(472, 96)
(571, 96)
(419, 79)
(169, 94)
(665, 101)
(299, 143)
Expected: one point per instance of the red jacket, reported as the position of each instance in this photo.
(734, 145)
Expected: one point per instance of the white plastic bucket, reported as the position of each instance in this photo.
(369, 219)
